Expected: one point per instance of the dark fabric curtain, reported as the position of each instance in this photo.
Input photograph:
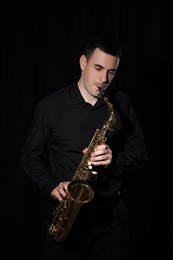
(41, 45)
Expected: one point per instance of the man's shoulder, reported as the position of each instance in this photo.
(122, 102)
(55, 97)
(53, 101)
(58, 94)
(120, 97)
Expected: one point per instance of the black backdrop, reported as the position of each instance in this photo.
(41, 44)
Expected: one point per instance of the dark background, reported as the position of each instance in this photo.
(41, 45)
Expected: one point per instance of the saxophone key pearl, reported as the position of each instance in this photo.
(89, 165)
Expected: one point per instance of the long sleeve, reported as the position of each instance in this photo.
(33, 152)
(129, 149)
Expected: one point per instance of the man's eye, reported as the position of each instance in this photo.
(112, 73)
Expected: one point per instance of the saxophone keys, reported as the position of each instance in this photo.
(93, 176)
(89, 165)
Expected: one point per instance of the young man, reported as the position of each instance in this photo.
(63, 126)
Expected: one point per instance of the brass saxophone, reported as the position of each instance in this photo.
(80, 190)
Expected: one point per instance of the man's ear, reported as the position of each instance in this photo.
(82, 62)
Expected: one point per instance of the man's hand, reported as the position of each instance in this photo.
(60, 192)
(102, 155)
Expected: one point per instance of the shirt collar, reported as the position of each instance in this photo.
(76, 97)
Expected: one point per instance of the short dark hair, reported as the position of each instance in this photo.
(105, 42)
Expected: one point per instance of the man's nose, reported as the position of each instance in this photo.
(105, 77)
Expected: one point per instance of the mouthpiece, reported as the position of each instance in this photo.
(101, 93)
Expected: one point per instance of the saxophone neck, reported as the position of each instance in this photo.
(111, 110)
(102, 93)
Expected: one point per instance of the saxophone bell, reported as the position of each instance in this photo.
(80, 191)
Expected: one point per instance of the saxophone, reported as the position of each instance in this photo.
(80, 190)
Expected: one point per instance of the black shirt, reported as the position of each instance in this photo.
(64, 124)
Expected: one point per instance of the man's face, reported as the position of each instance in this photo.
(98, 71)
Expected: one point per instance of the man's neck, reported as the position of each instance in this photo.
(86, 96)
